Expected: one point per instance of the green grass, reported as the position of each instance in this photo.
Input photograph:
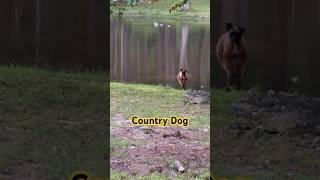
(222, 101)
(155, 101)
(53, 121)
(200, 9)
(116, 175)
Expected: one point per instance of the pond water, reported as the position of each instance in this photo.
(50, 34)
(144, 50)
(283, 43)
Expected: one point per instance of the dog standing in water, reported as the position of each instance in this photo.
(231, 52)
(182, 78)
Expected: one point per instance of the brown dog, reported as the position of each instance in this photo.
(231, 52)
(182, 78)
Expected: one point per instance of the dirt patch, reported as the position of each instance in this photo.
(197, 97)
(279, 114)
(156, 149)
(270, 135)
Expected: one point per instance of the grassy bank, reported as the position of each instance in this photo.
(269, 157)
(200, 9)
(153, 101)
(52, 123)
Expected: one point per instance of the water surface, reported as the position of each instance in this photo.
(152, 51)
(283, 43)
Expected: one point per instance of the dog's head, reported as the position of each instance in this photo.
(235, 33)
(183, 71)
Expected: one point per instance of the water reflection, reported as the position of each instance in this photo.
(283, 43)
(54, 34)
(151, 51)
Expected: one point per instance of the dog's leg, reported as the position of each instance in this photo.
(239, 83)
(228, 83)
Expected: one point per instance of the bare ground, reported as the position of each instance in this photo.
(272, 136)
(155, 149)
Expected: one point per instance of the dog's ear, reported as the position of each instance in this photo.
(242, 30)
(229, 26)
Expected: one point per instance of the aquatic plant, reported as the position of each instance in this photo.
(178, 4)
